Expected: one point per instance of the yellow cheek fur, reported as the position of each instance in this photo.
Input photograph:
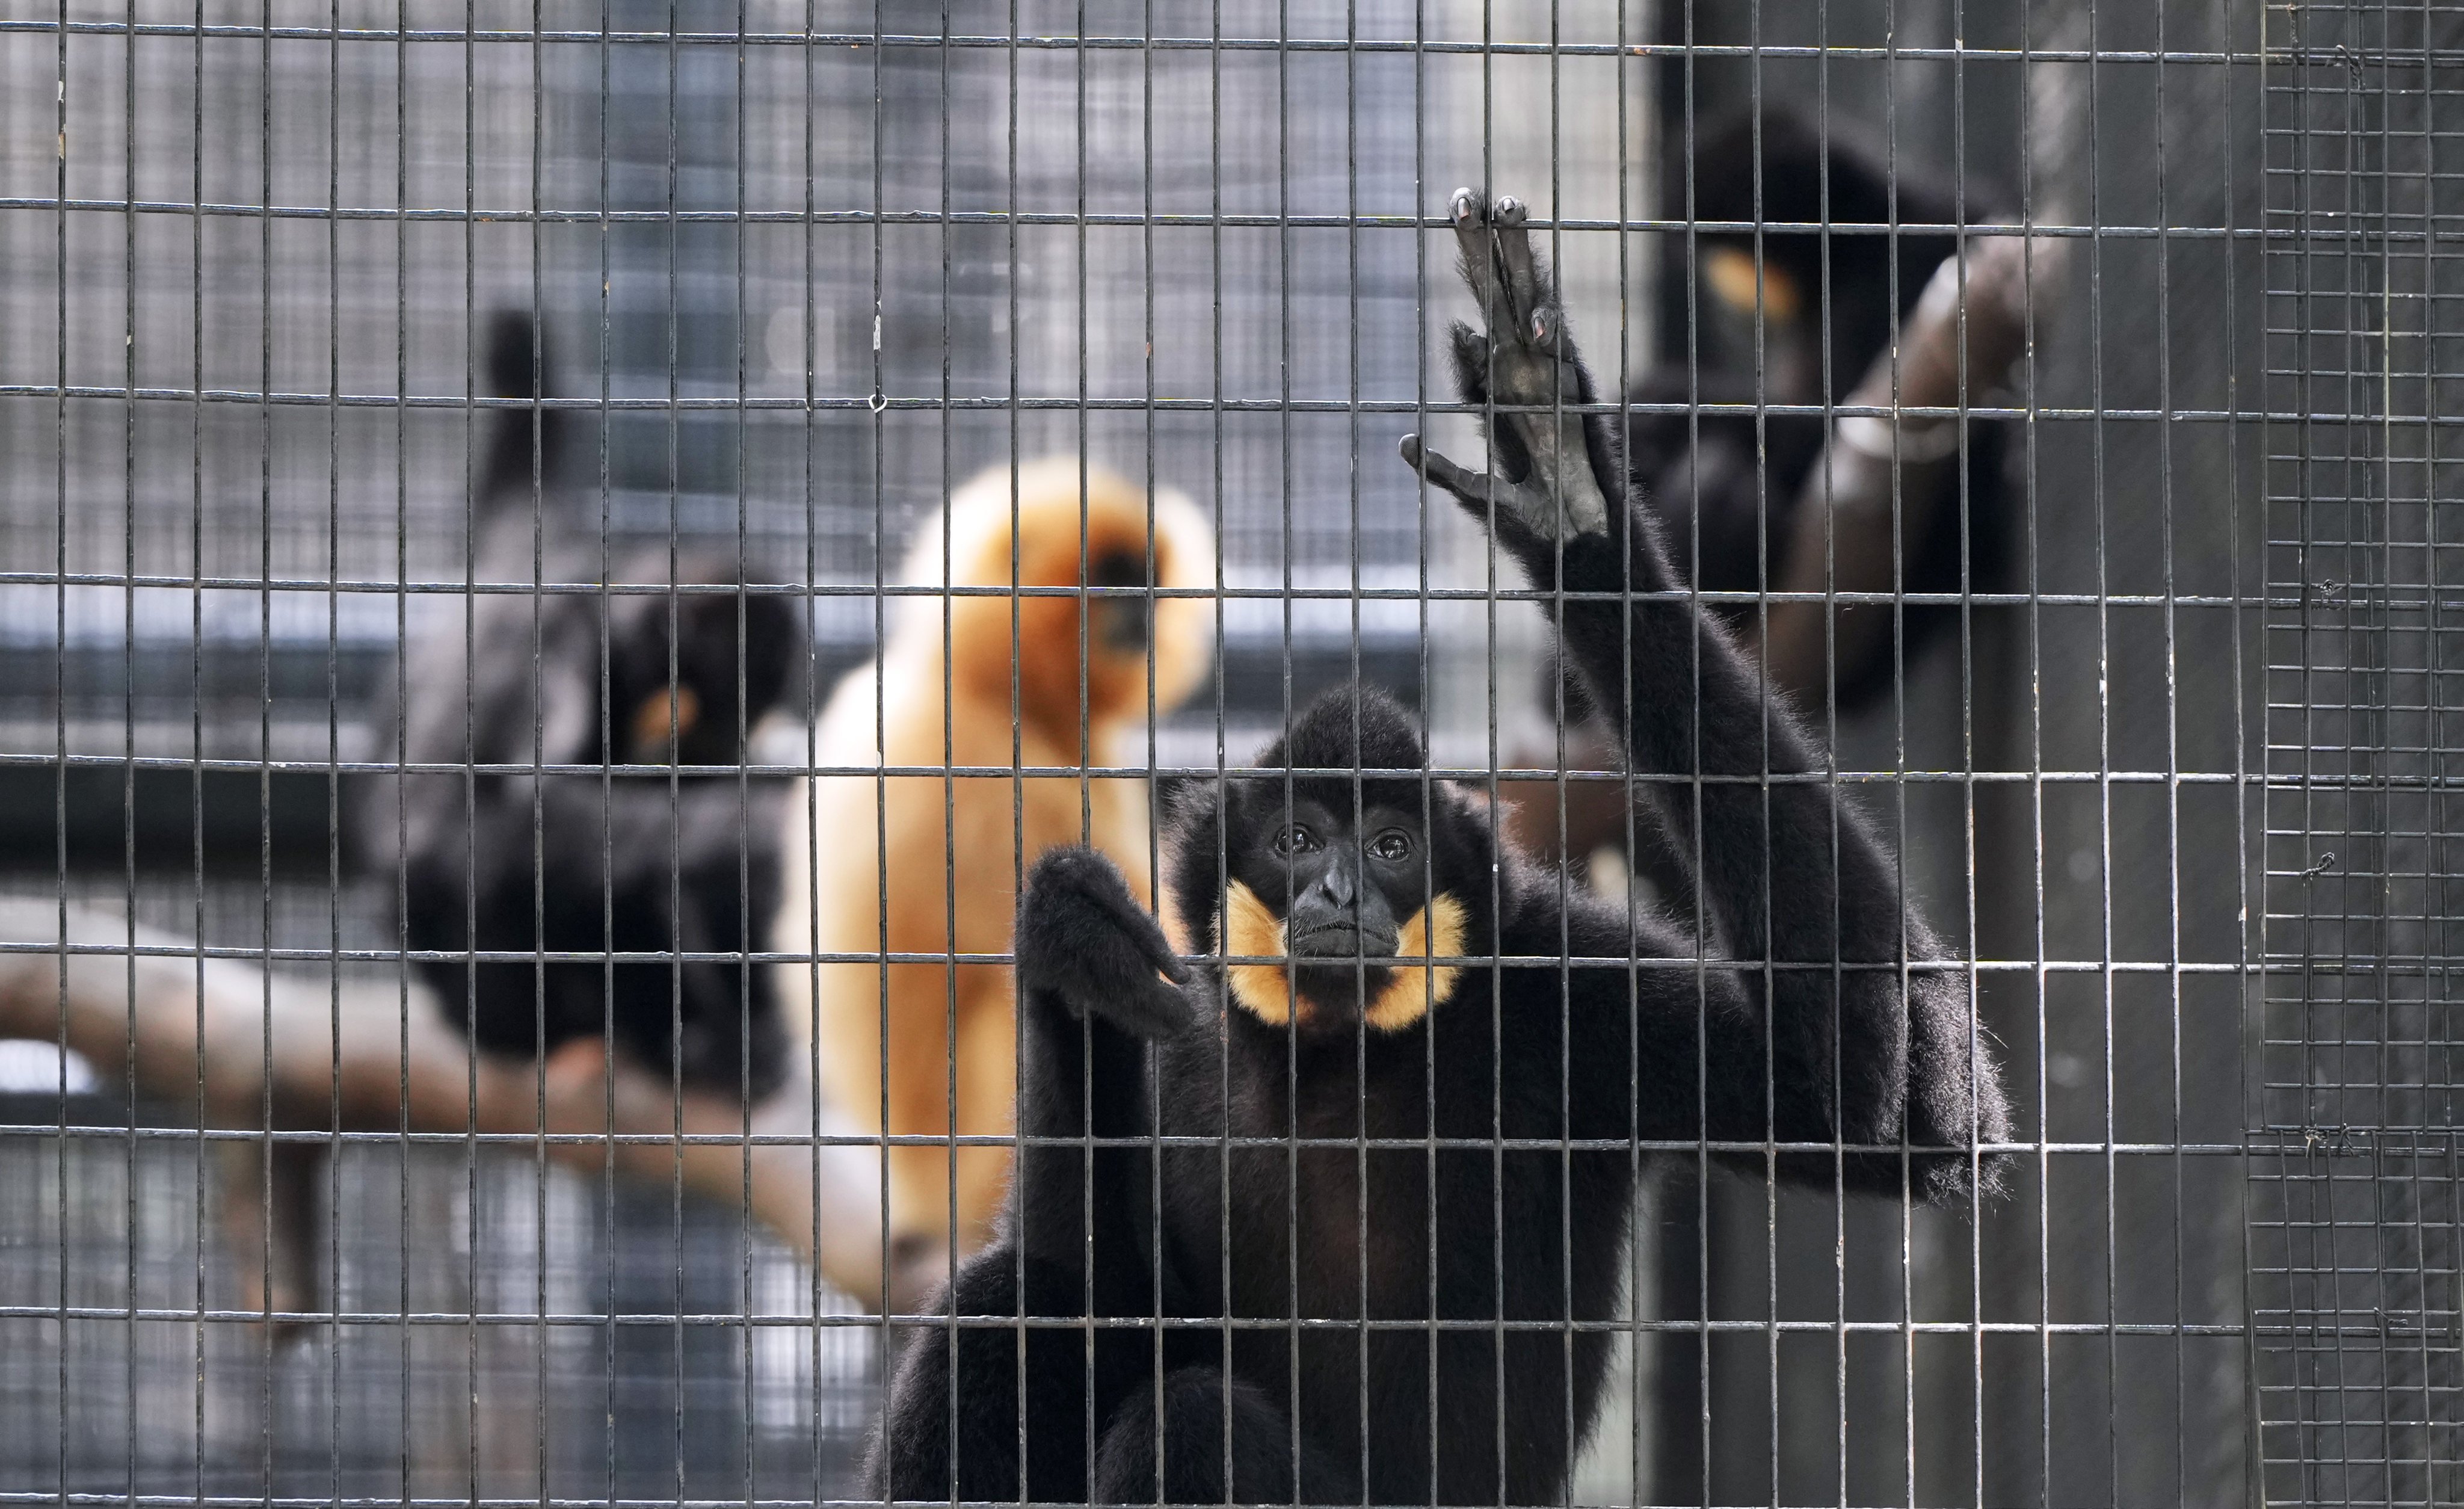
(673, 711)
(1733, 277)
(1247, 927)
(1436, 931)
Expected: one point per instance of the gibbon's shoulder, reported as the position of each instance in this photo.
(847, 731)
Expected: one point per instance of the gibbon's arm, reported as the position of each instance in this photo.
(965, 1400)
(1096, 982)
(1789, 875)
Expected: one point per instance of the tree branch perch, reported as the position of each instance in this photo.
(1872, 497)
(258, 1049)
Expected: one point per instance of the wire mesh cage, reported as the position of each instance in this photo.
(508, 870)
(2353, 1261)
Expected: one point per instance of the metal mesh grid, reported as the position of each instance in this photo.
(750, 226)
(808, 266)
(2354, 1255)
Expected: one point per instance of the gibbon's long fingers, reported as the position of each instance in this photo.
(1531, 366)
(1527, 286)
(1523, 362)
(1498, 264)
(1532, 357)
(1483, 269)
(1474, 490)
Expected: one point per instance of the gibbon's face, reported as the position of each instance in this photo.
(1338, 868)
(1108, 656)
(1054, 524)
(1331, 906)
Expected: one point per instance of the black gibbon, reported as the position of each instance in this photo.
(956, 847)
(1407, 1087)
(683, 862)
(1742, 482)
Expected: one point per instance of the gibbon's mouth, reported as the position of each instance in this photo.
(1402, 996)
(1341, 940)
(1122, 624)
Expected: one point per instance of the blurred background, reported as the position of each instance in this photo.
(824, 261)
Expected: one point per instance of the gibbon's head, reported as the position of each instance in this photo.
(1320, 871)
(1034, 518)
(1782, 168)
(684, 670)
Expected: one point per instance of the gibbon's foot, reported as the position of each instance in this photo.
(1524, 365)
(1082, 938)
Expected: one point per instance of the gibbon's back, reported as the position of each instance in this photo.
(957, 845)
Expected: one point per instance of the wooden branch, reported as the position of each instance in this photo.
(1880, 485)
(259, 1049)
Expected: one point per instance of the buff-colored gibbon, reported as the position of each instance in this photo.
(957, 845)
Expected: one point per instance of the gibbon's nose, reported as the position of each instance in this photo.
(1340, 890)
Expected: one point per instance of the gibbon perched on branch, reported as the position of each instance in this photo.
(1798, 317)
(675, 857)
(1023, 675)
(1885, 307)
(491, 862)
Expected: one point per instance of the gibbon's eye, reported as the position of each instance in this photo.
(1294, 839)
(1392, 844)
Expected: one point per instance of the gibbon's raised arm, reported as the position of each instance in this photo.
(1788, 875)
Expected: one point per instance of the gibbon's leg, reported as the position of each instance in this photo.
(924, 1057)
(269, 1210)
(915, 1096)
(954, 1405)
(1892, 1052)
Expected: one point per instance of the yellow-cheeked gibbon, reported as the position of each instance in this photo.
(957, 845)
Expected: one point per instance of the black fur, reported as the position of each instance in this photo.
(498, 861)
(1603, 1028)
(1740, 480)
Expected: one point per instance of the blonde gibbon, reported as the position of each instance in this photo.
(946, 852)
